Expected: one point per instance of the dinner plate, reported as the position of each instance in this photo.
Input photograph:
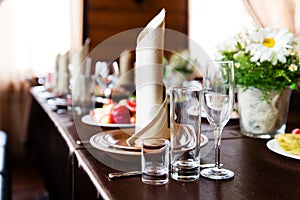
(274, 146)
(117, 139)
(57, 101)
(97, 142)
(115, 142)
(87, 119)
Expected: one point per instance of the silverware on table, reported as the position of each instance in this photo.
(123, 174)
(82, 142)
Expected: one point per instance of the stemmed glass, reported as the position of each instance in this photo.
(107, 76)
(218, 86)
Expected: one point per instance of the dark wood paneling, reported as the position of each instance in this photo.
(145, 5)
(109, 17)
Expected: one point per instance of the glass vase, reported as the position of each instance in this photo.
(263, 115)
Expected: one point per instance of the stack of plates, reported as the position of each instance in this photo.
(114, 143)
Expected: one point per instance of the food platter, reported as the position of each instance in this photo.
(88, 119)
(274, 146)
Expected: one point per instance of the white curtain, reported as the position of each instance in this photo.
(32, 33)
(276, 13)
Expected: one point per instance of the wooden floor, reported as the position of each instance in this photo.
(27, 182)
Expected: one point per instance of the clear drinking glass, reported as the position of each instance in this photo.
(185, 123)
(155, 161)
(218, 86)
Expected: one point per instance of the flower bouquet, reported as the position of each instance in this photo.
(266, 68)
(179, 67)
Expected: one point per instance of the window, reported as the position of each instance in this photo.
(213, 21)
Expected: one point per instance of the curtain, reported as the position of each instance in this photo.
(276, 13)
(33, 32)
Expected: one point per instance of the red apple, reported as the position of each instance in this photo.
(121, 115)
(296, 131)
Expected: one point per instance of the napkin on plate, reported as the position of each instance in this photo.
(151, 106)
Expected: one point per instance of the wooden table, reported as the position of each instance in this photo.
(73, 172)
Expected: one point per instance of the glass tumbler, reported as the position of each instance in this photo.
(155, 161)
(185, 123)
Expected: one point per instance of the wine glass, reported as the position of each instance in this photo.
(218, 86)
(107, 76)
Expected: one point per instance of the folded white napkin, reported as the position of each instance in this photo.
(151, 107)
(80, 67)
(62, 74)
(54, 76)
(126, 69)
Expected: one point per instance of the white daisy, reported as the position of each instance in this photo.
(270, 45)
(228, 45)
(297, 43)
(293, 67)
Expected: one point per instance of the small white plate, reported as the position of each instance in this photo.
(274, 146)
(88, 120)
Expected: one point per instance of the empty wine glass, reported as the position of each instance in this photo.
(218, 86)
(107, 76)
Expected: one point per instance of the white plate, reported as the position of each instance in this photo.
(97, 142)
(117, 139)
(204, 140)
(88, 120)
(57, 101)
(274, 146)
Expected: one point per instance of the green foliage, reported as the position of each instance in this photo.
(182, 62)
(262, 75)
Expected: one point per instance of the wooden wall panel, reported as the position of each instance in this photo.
(106, 18)
(145, 5)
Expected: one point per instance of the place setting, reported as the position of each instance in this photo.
(166, 129)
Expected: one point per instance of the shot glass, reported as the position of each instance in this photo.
(185, 138)
(155, 161)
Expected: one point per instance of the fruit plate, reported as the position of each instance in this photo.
(274, 146)
(88, 119)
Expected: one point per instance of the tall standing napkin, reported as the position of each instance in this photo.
(151, 107)
(80, 70)
(126, 69)
(63, 74)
